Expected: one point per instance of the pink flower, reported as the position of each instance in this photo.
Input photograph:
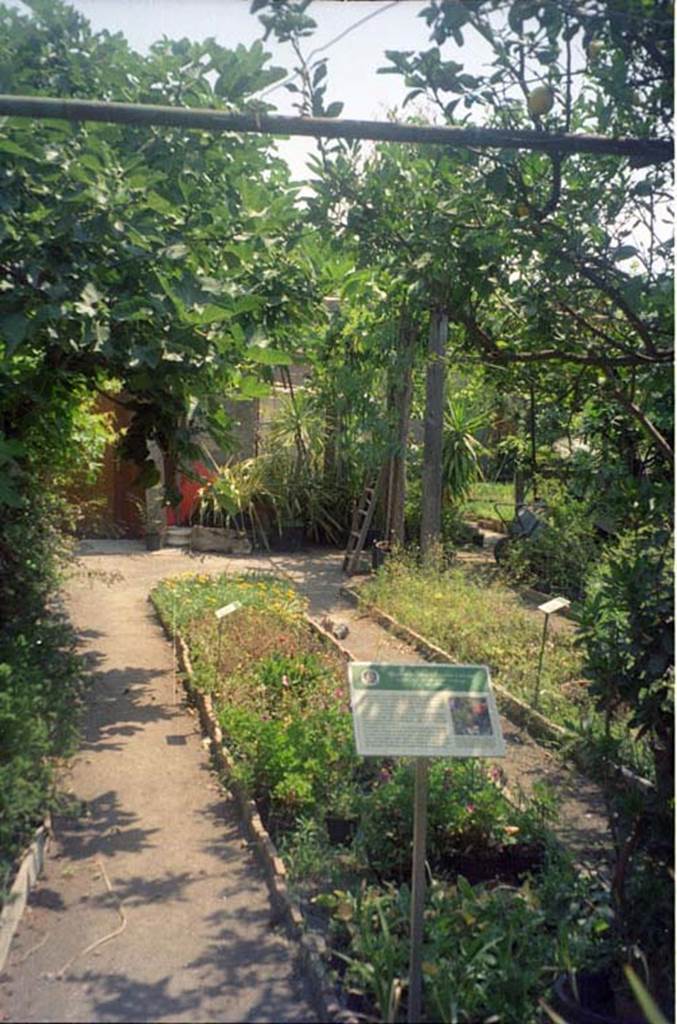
(470, 808)
(384, 775)
(285, 680)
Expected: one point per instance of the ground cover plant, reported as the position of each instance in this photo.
(280, 695)
(482, 621)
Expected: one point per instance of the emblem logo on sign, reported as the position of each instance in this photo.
(369, 677)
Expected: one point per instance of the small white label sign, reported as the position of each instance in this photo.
(227, 609)
(556, 605)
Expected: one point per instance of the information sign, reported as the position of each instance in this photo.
(424, 710)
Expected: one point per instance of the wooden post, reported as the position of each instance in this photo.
(431, 511)
(537, 690)
(402, 396)
(418, 890)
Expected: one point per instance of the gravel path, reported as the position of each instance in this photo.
(154, 853)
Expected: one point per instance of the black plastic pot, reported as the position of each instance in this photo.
(379, 553)
(508, 864)
(288, 538)
(153, 541)
(595, 1003)
(341, 830)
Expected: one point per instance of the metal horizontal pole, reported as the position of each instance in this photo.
(39, 107)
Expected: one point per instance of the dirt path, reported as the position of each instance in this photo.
(158, 849)
(196, 942)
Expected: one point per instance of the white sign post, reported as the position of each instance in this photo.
(220, 615)
(548, 608)
(423, 711)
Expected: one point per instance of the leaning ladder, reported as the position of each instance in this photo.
(359, 528)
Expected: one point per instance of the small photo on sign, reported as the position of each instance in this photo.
(470, 715)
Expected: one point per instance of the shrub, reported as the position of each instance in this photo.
(557, 557)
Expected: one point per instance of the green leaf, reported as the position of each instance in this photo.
(498, 181)
(246, 304)
(211, 314)
(252, 387)
(157, 203)
(334, 109)
(89, 300)
(13, 331)
(269, 356)
(624, 252)
(9, 495)
(7, 146)
(649, 1008)
(176, 252)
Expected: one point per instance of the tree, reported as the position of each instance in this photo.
(542, 276)
(162, 263)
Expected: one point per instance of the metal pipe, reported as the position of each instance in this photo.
(207, 119)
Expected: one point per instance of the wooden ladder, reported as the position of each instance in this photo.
(359, 528)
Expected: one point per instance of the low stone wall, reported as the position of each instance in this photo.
(15, 904)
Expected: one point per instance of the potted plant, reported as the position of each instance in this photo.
(152, 522)
(342, 815)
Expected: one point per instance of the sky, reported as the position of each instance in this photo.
(353, 60)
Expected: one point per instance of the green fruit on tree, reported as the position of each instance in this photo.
(541, 100)
(522, 210)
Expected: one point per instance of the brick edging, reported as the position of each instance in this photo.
(312, 947)
(517, 710)
(29, 870)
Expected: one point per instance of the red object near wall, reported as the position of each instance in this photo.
(189, 495)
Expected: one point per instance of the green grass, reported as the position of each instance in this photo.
(480, 502)
(481, 622)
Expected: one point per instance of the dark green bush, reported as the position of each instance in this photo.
(557, 557)
(40, 676)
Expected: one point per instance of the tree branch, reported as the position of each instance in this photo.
(613, 293)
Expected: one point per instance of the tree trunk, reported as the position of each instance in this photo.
(399, 402)
(431, 511)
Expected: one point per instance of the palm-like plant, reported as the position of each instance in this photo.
(461, 450)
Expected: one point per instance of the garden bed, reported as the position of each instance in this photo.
(275, 691)
(452, 617)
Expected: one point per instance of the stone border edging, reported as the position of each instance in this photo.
(517, 710)
(29, 870)
(312, 948)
